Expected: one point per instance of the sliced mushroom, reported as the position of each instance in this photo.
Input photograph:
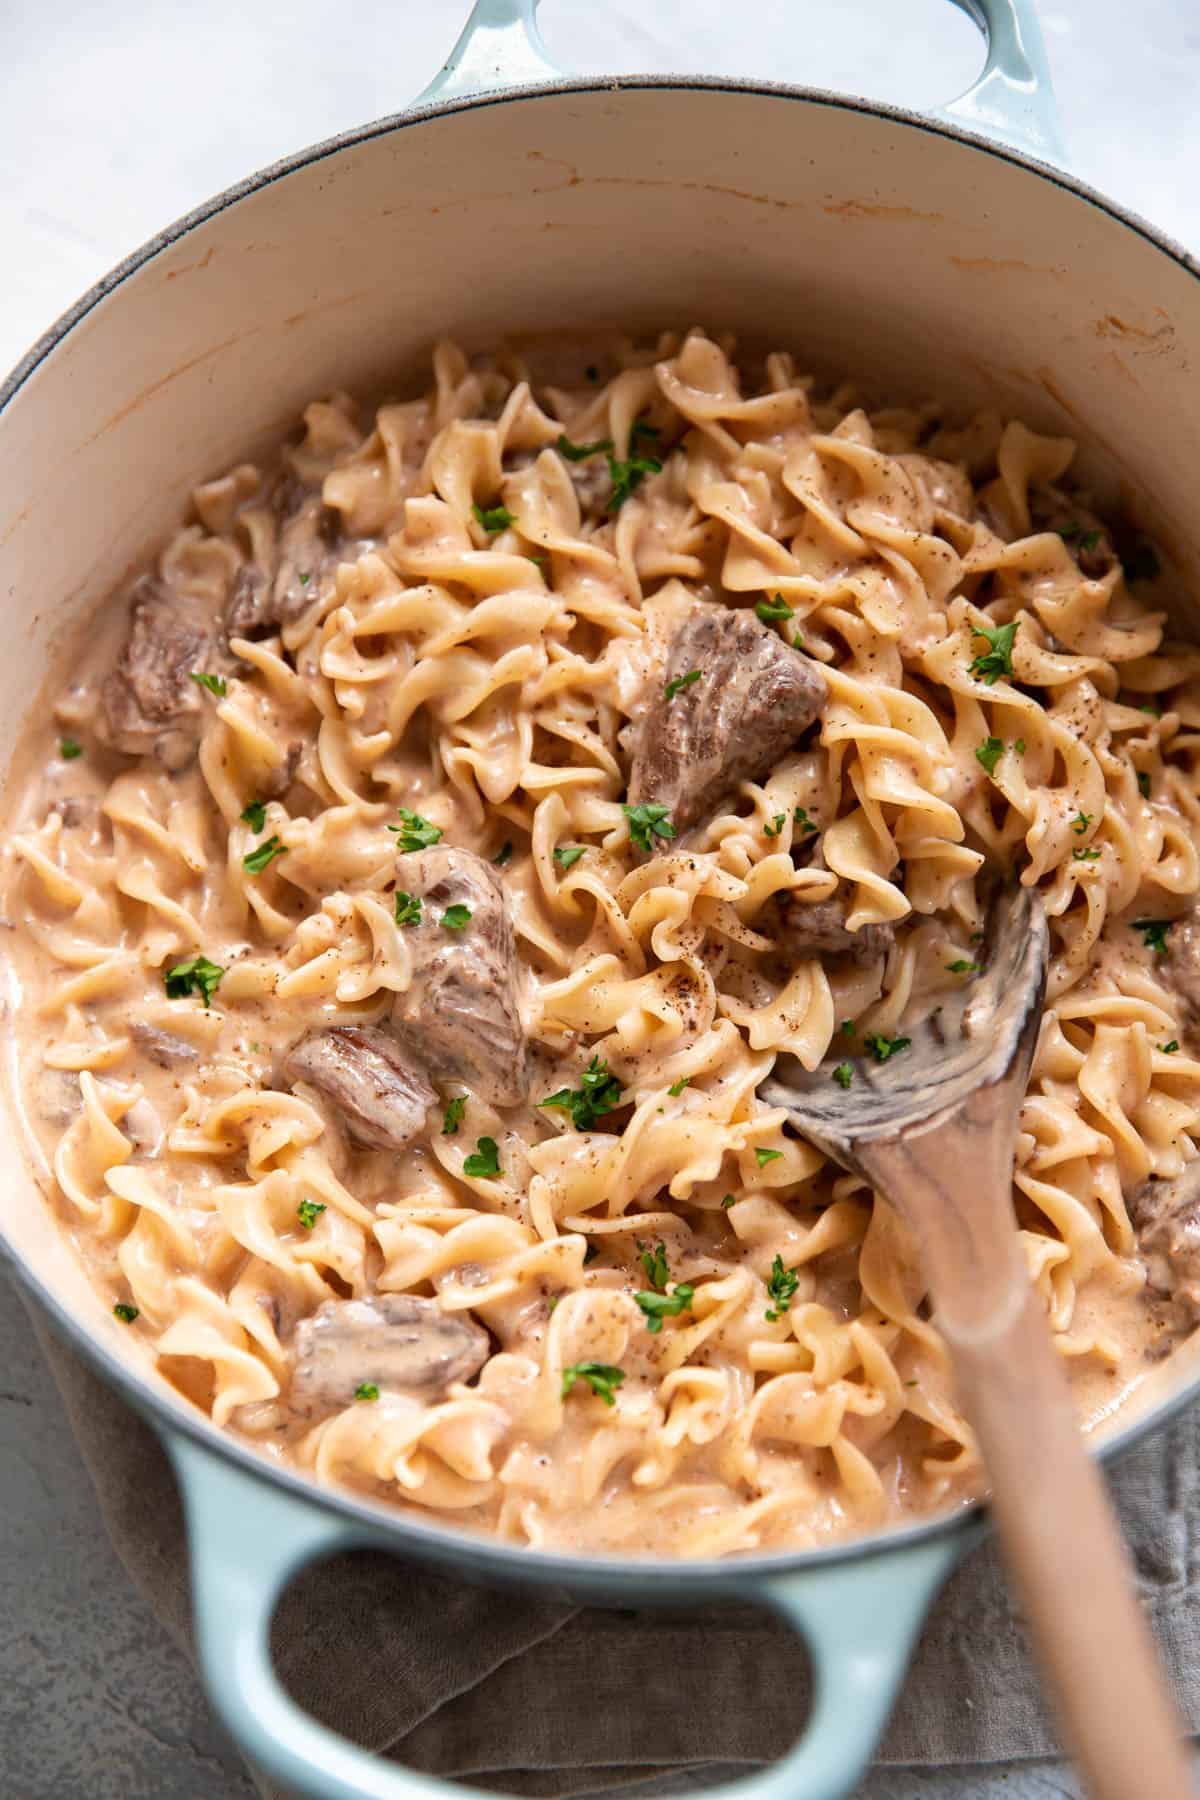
(460, 1012)
(1181, 965)
(751, 700)
(399, 1342)
(381, 1094)
(162, 1047)
(152, 707)
(1166, 1217)
(262, 600)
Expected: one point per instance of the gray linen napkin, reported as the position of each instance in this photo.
(542, 1699)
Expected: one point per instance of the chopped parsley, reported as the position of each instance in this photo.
(1086, 855)
(452, 1116)
(990, 664)
(770, 610)
(989, 753)
(195, 976)
(847, 1027)
(676, 1088)
(774, 826)
(1076, 534)
(781, 1287)
(1080, 823)
(1154, 711)
(255, 861)
(305, 578)
(309, 1211)
(484, 1160)
(1143, 781)
(255, 815)
(216, 684)
(679, 682)
(882, 1048)
(503, 855)
(658, 1307)
(1171, 1048)
(456, 918)
(414, 832)
(1154, 933)
(800, 817)
(728, 1200)
(494, 518)
(590, 1254)
(598, 1093)
(367, 1390)
(797, 641)
(628, 476)
(647, 822)
(408, 908)
(125, 1312)
(654, 1262)
(763, 1157)
(1019, 746)
(602, 1378)
(567, 855)
(581, 452)
(962, 967)
(843, 1074)
(1143, 564)
(69, 748)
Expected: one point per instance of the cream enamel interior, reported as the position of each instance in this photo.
(923, 262)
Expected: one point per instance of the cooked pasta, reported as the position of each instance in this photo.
(417, 885)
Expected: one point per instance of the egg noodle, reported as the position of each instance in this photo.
(704, 1338)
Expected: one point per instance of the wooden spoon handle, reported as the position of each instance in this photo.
(1068, 1562)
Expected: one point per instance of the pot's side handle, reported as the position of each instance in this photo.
(248, 1537)
(1011, 99)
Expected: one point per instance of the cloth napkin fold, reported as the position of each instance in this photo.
(544, 1699)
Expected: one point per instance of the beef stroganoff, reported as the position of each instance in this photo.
(428, 859)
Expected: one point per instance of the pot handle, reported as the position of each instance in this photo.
(248, 1537)
(1011, 99)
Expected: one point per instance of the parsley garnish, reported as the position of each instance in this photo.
(452, 1117)
(1086, 855)
(69, 748)
(654, 1262)
(728, 1200)
(769, 610)
(408, 908)
(628, 476)
(763, 1157)
(414, 832)
(797, 641)
(456, 918)
(1143, 565)
(681, 681)
(882, 1047)
(367, 1390)
(484, 1160)
(494, 518)
(216, 684)
(255, 861)
(602, 1378)
(503, 855)
(567, 855)
(581, 452)
(125, 1312)
(774, 826)
(996, 661)
(1080, 823)
(196, 976)
(847, 1027)
(989, 753)
(1075, 534)
(308, 1212)
(255, 815)
(590, 1254)
(1171, 1048)
(801, 818)
(305, 578)
(1155, 712)
(658, 1307)
(598, 1093)
(781, 1286)
(676, 1088)
(962, 967)
(1143, 781)
(1019, 746)
(1154, 933)
(843, 1074)
(648, 822)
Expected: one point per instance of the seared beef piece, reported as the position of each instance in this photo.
(162, 1047)
(1181, 965)
(753, 699)
(382, 1094)
(400, 1342)
(818, 927)
(152, 707)
(460, 1013)
(1166, 1217)
(308, 534)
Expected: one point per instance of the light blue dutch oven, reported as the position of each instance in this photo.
(944, 254)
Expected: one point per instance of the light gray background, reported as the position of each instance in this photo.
(118, 115)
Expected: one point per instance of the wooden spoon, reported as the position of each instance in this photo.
(933, 1129)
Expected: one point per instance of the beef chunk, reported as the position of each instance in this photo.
(382, 1094)
(1181, 965)
(261, 601)
(162, 1047)
(818, 927)
(753, 699)
(461, 1013)
(152, 707)
(400, 1342)
(1166, 1217)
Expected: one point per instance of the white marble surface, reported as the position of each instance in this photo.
(115, 117)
